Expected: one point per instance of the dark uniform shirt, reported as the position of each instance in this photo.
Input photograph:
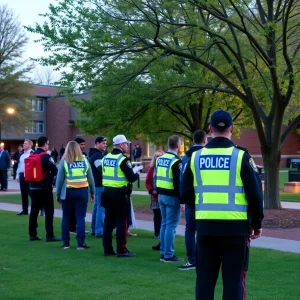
(49, 166)
(253, 192)
(176, 179)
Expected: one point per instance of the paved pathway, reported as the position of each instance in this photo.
(263, 242)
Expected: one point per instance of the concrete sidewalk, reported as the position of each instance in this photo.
(263, 242)
(14, 189)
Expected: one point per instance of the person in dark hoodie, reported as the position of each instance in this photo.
(95, 156)
(199, 140)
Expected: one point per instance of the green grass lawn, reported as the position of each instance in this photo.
(142, 186)
(40, 270)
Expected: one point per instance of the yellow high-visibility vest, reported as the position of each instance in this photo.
(76, 174)
(112, 174)
(219, 190)
(164, 174)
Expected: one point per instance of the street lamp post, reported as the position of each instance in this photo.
(10, 111)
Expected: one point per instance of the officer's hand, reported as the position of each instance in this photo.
(58, 200)
(154, 192)
(18, 180)
(181, 207)
(255, 233)
(92, 198)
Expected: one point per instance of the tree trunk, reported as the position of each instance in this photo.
(271, 161)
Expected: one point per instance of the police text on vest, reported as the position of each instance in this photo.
(216, 162)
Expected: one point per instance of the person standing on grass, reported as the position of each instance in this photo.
(16, 158)
(24, 186)
(41, 194)
(222, 182)
(199, 140)
(152, 190)
(73, 180)
(167, 184)
(4, 167)
(95, 157)
(117, 176)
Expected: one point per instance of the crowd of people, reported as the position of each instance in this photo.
(216, 184)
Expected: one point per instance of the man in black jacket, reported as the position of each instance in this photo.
(95, 156)
(41, 194)
(199, 140)
(4, 167)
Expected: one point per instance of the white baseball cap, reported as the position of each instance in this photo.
(119, 139)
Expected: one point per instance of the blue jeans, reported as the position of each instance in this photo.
(78, 199)
(190, 231)
(98, 213)
(170, 213)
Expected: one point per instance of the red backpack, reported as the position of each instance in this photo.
(33, 171)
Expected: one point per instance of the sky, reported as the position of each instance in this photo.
(27, 12)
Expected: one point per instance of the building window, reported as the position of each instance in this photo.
(36, 105)
(35, 127)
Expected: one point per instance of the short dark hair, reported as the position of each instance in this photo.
(173, 141)
(221, 129)
(20, 145)
(199, 136)
(42, 140)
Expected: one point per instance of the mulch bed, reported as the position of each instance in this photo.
(281, 219)
(274, 219)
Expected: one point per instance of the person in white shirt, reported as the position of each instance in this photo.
(24, 187)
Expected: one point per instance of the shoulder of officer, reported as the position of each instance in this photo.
(241, 148)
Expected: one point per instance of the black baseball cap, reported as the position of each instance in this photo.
(221, 119)
(100, 139)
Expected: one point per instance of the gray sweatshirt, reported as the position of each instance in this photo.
(61, 188)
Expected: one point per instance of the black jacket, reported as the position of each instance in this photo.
(96, 155)
(49, 166)
(253, 191)
(176, 180)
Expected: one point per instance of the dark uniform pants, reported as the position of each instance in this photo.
(41, 199)
(115, 202)
(230, 252)
(24, 187)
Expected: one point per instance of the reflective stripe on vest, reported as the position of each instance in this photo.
(112, 174)
(164, 174)
(214, 162)
(76, 174)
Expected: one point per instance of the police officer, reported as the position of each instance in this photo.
(74, 178)
(167, 184)
(117, 174)
(41, 194)
(224, 183)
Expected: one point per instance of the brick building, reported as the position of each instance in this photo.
(54, 117)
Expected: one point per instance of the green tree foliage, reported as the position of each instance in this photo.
(225, 51)
(14, 86)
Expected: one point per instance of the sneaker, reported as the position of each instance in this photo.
(53, 239)
(83, 247)
(66, 246)
(173, 259)
(156, 237)
(86, 232)
(187, 266)
(131, 234)
(73, 232)
(34, 238)
(162, 258)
